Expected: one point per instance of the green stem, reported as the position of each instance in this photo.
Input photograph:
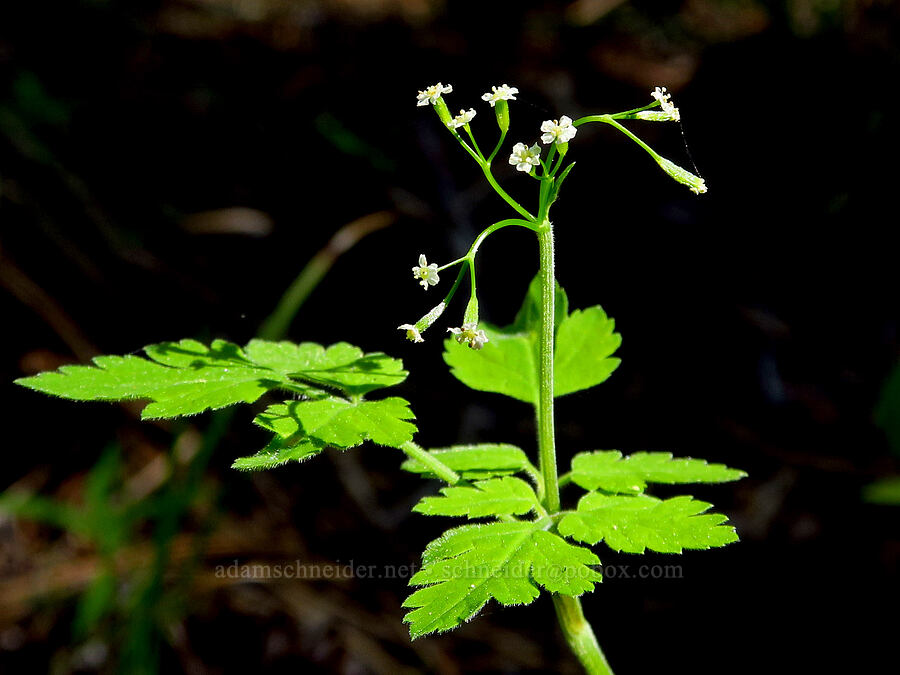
(580, 635)
(545, 424)
(437, 467)
(486, 168)
(578, 632)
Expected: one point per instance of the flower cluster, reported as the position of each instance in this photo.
(525, 158)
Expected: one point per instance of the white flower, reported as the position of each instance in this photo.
(427, 274)
(433, 93)
(462, 119)
(560, 131)
(412, 333)
(525, 158)
(470, 334)
(502, 93)
(665, 103)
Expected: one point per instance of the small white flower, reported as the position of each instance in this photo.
(478, 340)
(665, 103)
(425, 273)
(525, 158)
(412, 333)
(470, 334)
(502, 93)
(433, 93)
(560, 131)
(461, 120)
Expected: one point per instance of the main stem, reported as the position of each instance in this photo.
(545, 426)
(580, 635)
(575, 627)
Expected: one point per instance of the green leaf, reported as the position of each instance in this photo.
(187, 377)
(305, 428)
(476, 461)
(341, 365)
(584, 345)
(494, 497)
(608, 470)
(528, 318)
(505, 365)
(633, 524)
(508, 363)
(508, 562)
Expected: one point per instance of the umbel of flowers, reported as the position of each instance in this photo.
(526, 158)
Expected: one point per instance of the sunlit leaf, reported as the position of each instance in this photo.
(633, 524)
(305, 428)
(608, 470)
(493, 497)
(509, 562)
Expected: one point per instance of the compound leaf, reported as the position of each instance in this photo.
(633, 524)
(508, 562)
(493, 497)
(483, 460)
(607, 470)
(305, 428)
(187, 377)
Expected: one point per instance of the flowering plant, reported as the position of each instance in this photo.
(524, 540)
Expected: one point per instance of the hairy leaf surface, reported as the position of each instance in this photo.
(608, 470)
(483, 460)
(305, 428)
(493, 497)
(508, 562)
(633, 524)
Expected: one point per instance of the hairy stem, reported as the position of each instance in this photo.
(580, 635)
(545, 426)
(577, 631)
(437, 467)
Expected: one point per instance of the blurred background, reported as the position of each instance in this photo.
(168, 167)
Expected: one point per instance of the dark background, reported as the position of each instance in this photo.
(167, 168)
